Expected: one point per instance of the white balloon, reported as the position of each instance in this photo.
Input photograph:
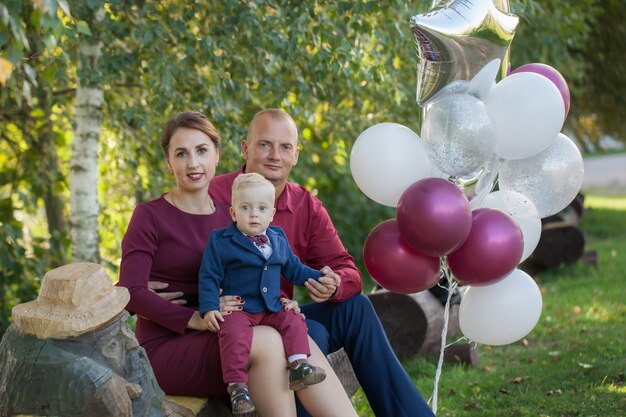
(551, 179)
(385, 159)
(523, 212)
(527, 111)
(503, 312)
(484, 80)
(458, 134)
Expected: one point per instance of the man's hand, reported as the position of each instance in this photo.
(155, 286)
(324, 288)
(212, 319)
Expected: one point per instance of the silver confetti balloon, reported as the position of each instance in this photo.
(458, 134)
(550, 179)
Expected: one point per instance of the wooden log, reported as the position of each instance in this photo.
(413, 322)
(343, 368)
(561, 241)
(462, 353)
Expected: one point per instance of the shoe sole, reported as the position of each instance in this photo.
(311, 379)
(245, 414)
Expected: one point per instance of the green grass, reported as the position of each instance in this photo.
(573, 362)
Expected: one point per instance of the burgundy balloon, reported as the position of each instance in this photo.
(396, 266)
(434, 216)
(551, 74)
(492, 250)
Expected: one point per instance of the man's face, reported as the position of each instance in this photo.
(271, 148)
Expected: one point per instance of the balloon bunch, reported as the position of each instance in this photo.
(476, 133)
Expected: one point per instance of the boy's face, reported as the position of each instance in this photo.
(253, 209)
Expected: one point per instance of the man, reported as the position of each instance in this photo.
(344, 318)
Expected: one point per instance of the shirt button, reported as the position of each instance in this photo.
(264, 289)
(265, 268)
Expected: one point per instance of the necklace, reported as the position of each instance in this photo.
(210, 210)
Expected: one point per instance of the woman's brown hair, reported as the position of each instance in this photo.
(190, 120)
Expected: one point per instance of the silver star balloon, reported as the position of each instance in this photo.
(457, 38)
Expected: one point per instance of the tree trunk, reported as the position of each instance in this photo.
(84, 164)
(49, 172)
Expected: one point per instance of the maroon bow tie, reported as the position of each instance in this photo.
(259, 240)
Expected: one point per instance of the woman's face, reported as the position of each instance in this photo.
(192, 157)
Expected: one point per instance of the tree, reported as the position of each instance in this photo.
(32, 126)
(84, 168)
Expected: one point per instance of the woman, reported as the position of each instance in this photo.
(164, 242)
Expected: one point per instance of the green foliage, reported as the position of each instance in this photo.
(337, 67)
(606, 66)
(573, 362)
(33, 126)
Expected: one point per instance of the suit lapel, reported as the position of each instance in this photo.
(241, 240)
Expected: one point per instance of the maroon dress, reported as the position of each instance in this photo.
(163, 243)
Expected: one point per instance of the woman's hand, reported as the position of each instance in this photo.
(196, 322)
(230, 303)
(292, 305)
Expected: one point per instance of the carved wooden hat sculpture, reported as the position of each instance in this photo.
(73, 299)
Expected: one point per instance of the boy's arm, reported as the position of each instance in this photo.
(210, 277)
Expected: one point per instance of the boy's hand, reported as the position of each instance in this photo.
(212, 319)
(291, 305)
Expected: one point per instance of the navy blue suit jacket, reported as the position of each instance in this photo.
(232, 262)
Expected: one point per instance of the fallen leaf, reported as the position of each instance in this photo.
(504, 391)
(585, 365)
(469, 406)
(451, 391)
(576, 310)
(518, 379)
(524, 342)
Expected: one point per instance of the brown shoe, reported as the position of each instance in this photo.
(240, 400)
(302, 374)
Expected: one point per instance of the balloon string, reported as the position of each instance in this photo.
(452, 284)
(458, 340)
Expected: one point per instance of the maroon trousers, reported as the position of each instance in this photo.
(235, 339)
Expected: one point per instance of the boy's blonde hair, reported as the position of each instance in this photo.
(243, 181)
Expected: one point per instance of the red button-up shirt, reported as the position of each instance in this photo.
(310, 232)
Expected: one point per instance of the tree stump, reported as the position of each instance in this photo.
(561, 241)
(413, 322)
